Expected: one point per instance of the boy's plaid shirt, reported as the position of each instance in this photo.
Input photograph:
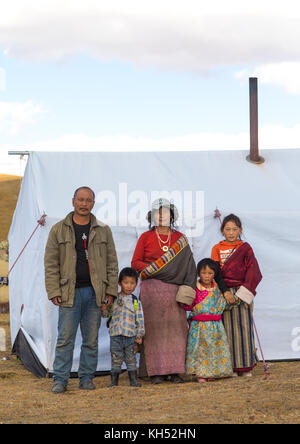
(124, 321)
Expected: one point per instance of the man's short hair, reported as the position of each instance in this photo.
(84, 188)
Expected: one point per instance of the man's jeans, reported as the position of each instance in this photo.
(87, 314)
(122, 350)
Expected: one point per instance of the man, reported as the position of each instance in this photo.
(81, 276)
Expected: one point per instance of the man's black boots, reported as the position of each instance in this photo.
(132, 379)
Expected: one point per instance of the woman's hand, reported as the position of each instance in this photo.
(229, 297)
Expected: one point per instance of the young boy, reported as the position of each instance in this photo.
(126, 328)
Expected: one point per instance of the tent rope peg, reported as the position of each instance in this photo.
(266, 367)
(42, 220)
(217, 214)
(267, 373)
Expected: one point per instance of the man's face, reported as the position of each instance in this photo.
(83, 202)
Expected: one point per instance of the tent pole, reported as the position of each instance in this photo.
(254, 156)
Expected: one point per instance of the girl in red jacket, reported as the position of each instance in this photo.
(241, 274)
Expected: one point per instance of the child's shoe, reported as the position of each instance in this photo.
(156, 379)
(114, 379)
(202, 380)
(246, 374)
(176, 379)
(132, 379)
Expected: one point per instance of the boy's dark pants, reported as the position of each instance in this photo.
(122, 350)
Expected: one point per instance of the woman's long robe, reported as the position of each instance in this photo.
(241, 274)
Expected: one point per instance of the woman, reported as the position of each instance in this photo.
(168, 272)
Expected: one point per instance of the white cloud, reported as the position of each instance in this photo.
(270, 137)
(279, 136)
(194, 35)
(285, 75)
(16, 115)
(2, 79)
(190, 142)
(11, 164)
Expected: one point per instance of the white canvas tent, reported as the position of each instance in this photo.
(266, 197)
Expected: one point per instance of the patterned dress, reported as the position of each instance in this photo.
(208, 354)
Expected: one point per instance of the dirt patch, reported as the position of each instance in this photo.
(28, 400)
(4, 375)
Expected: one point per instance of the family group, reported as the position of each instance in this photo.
(215, 340)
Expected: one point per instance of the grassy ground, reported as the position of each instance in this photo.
(9, 191)
(28, 400)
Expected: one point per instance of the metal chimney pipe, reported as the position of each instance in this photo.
(254, 156)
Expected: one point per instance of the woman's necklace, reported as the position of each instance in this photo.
(164, 248)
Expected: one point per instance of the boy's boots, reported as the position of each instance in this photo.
(114, 379)
(132, 379)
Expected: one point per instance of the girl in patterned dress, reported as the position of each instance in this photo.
(208, 355)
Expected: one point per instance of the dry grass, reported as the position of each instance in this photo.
(9, 191)
(4, 289)
(28, 400)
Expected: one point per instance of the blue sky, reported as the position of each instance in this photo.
(146, 76)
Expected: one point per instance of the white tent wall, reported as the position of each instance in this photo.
(266, 197)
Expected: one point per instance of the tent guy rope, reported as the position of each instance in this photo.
(40, 222)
